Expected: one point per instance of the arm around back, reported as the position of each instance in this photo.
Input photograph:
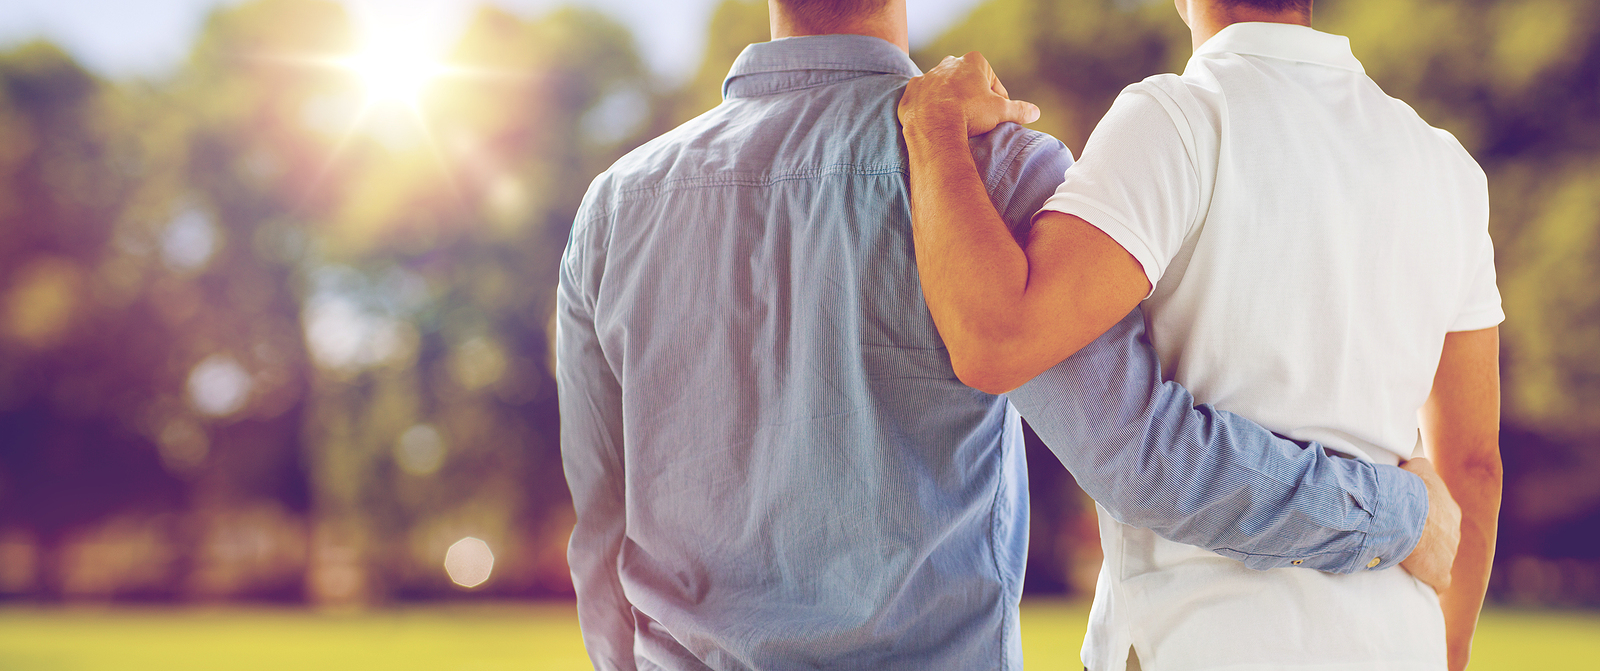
(1139, 445)
(1210, 478)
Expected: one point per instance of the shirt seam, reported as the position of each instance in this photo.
(994, 555)
(775, 90)
(710, 181)
(1372, 514)
(817, 65)
(583, 255)
(1191, 150)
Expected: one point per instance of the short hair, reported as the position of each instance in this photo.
(829, 14)
(1303, 6)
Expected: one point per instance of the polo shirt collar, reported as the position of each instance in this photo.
(1283, 41)
(798, 62)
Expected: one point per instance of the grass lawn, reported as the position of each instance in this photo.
(544, 637)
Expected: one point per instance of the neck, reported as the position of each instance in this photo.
(1206, 18)
(888, 25)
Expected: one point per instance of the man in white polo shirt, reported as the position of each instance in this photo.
(1309, 253)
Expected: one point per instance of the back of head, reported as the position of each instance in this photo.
(828, 16)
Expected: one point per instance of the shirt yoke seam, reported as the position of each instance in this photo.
(772, 179)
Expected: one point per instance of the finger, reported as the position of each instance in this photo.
(1020, 111)
(980, 65)
(987, 114)
(977, 60)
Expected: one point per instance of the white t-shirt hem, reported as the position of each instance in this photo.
(1479, 319)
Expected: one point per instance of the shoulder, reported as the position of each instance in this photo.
(1465, 163)
(643, 168)
(1188, 100)
(1445, 148)
(1450, 147)
(1010, 151)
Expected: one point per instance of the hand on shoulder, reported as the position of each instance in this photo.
(961, 95)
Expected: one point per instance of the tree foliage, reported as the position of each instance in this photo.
(257, 340)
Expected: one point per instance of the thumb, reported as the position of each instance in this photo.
(996, 111)
(1021, 111)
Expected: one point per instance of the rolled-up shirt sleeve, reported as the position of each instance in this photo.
(1152, 458)
(592, 455)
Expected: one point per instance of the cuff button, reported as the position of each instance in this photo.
(1298, 562)
(1374, 563)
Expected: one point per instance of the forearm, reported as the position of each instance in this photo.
(1007, 311)
(1209, 478)
(973, 272)
(1460, 425)
(1477, 489)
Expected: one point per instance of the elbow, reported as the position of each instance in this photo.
(1485, 470)
(989, 355)
(1473, 477)
(987, 372)
(1480, 464)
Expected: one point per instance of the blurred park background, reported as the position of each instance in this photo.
(275, 316)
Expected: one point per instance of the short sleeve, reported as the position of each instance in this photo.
(1136, 179)
(1481, 309)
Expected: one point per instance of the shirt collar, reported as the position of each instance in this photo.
(1283, 41)
(762, 67)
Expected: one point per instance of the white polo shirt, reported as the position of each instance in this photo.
(1310, 240)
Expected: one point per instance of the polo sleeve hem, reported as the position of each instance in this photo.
(1479, 319)
(1100, 217)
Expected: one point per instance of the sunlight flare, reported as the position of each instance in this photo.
(392, 73)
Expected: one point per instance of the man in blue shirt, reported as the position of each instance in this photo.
(772, 462)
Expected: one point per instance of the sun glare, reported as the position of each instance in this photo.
(401, 47)
(392, 74)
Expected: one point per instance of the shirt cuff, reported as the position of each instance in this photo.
(1397, 519)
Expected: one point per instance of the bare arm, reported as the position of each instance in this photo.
(1006, 311)
(1460, 432)
(1010, 311)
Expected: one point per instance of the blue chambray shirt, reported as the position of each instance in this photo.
(772, 463)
